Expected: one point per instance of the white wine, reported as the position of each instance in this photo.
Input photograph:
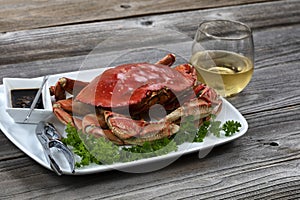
(227, 72)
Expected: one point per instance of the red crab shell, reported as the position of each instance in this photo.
(129, 84)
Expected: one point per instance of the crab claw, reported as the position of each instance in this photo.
(62, 115)
(198, 108)
(65, 104)
(138, 131)
(63, 108)
(90, 125)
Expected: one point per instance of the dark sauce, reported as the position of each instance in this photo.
(23, 98)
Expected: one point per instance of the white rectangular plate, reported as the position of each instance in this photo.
(23, 136)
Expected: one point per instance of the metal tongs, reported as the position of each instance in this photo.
(54, 148)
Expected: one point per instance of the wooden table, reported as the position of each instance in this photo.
(41, 37)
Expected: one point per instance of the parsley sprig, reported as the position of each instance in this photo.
(230, 127)
(217, 128)
(102, 151)
(202, 132)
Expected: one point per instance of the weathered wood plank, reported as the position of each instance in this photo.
(262, 164)
(75, 40)
(250, 167)
(20, 14)
(8, 150)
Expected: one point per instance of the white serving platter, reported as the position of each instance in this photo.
(23, 136)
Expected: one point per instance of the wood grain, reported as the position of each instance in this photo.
(247, 168)
(263, 164)
(77, 40)
(28, 14)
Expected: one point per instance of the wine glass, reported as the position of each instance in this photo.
(223, 54)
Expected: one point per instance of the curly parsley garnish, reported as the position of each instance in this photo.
(73, 139)
(102, 151)
(202, 132)
(230, 127)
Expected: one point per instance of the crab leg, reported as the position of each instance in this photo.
(63, 108)
(90, 125)
(197, 108)
(188, 71)
(61, 114)
(58, 92)
(209, 95)
(75, 107)
(66, 85)
(65, 104)
(138, 131)
(167, 60)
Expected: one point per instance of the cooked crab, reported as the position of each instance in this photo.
(116, 104)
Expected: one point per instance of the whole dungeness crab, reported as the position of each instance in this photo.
(123, 97)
